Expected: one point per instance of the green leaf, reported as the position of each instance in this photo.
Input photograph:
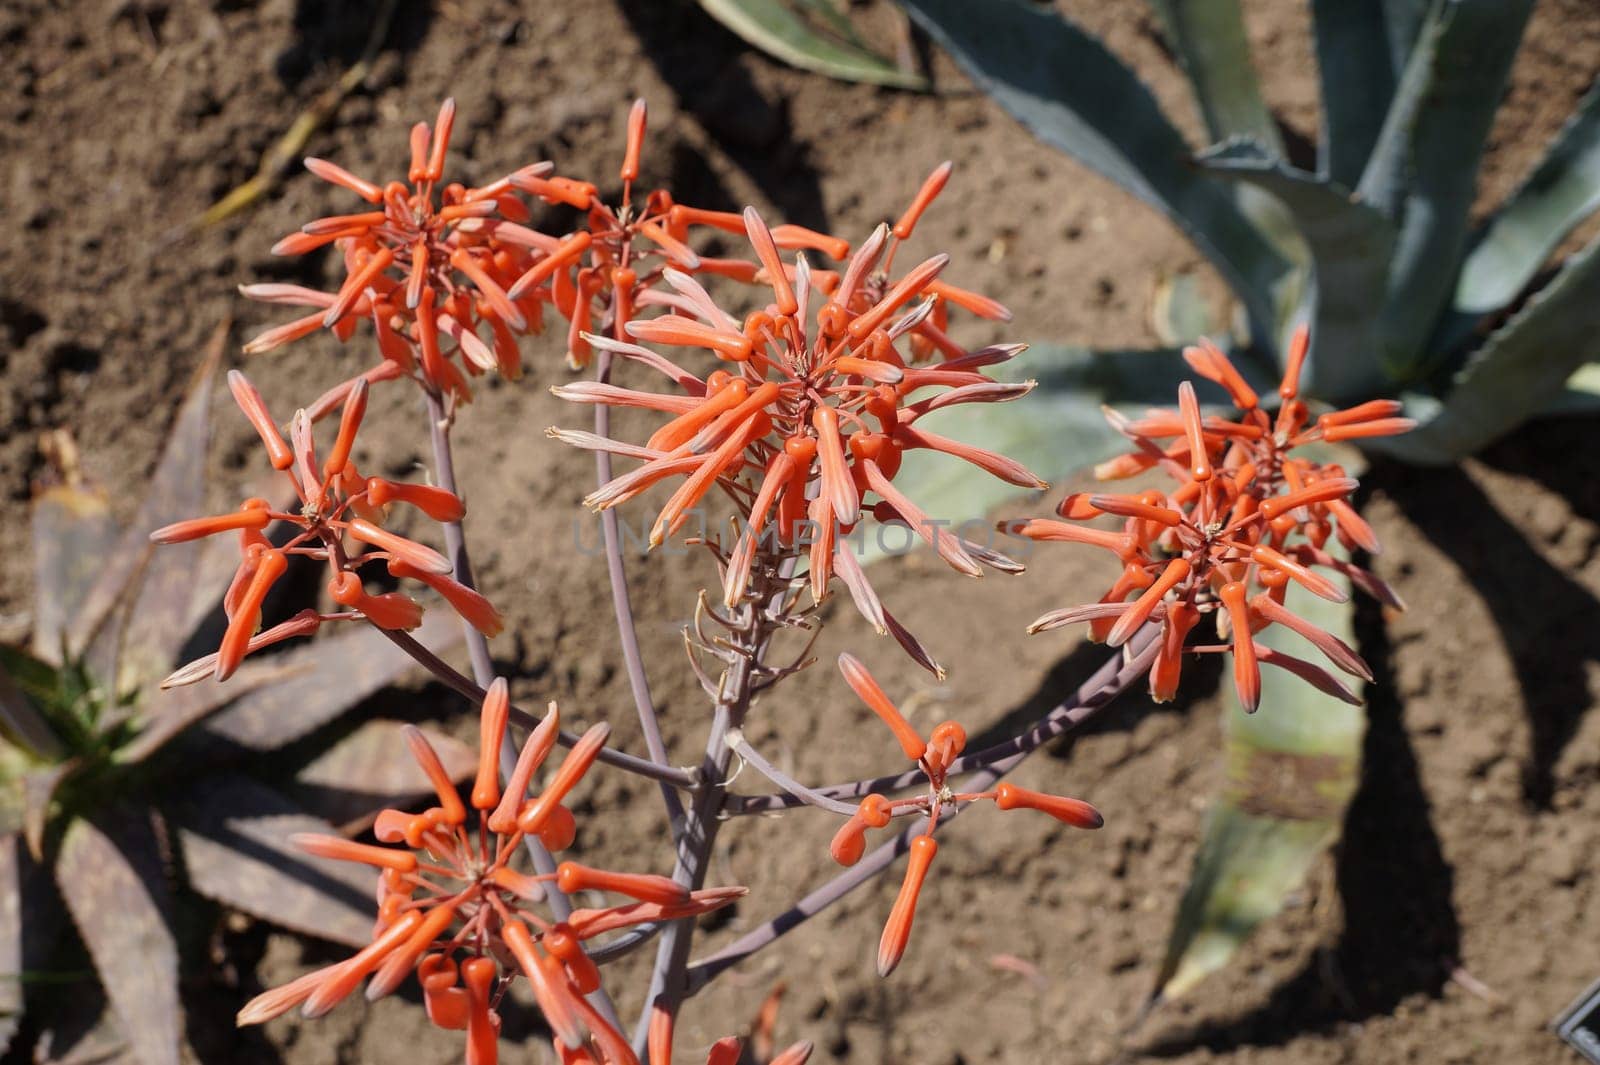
(1447, 101)
(1522, 368)
(1350, 245)
(1074, 95)
(777, 29)
(1357, 75)
(235, 835)
(111, 879)
(1519, 237)
(1209, 38)
(1292, 768)
(20, 721)
(1403, 20)
(1581, 394)
(323, 679)
(72, 532)
(370, 769)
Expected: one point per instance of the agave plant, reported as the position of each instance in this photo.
(110, 785)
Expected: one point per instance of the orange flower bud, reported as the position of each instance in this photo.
(417, 555)
(491, 736)
(1074, 812)
(531, 820)
(455, 812)
(246, 517)
(572, 878)
(534, 751)
(345, 850)
(897, 929)
(868, 691)
(931, 187)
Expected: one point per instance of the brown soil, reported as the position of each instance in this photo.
(1470, 844)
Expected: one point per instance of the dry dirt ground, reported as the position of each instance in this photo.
(1470, 846)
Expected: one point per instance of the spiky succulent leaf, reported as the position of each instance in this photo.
(1439, 126)
(234, 834)
(1521, 369)
(112, 880)
(1209, 38)
(370, 769)
(21, 723)
(1074, 95)
(1350, 245)
(165, 715)
(1358, 74)
(781, 30)
(324, 678)
(1403, 20)
(1292, 769)
(1517, 239)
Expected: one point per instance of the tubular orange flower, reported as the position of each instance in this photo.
(937, 759)
(432, 260)
(1246, 511)
(447, 892)
(819, 376)
(336, 503)
(897, 929)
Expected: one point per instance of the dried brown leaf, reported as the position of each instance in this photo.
(331, 675)
(72, 532)
(38, 792)
(234, 834)
(111, 879)
(160, 586)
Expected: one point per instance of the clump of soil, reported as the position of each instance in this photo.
(1467, 861)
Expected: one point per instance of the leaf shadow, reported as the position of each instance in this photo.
(699, 61)
(1545, 617)
(1400, 934)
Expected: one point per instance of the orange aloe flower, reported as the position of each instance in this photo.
(429, 266)
(600, 276)
(806, 421)
(1248, 516)
(339, 508)
(934, 757)
(452, 908)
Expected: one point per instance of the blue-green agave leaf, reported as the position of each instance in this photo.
(1358, 75)
(1292, 768)
(1515, 242)
(1447, 101)
(1077, 97)
(1350, 245)
(1521, 369)
(1209, 38)
(1403, 21)
(778, 29)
